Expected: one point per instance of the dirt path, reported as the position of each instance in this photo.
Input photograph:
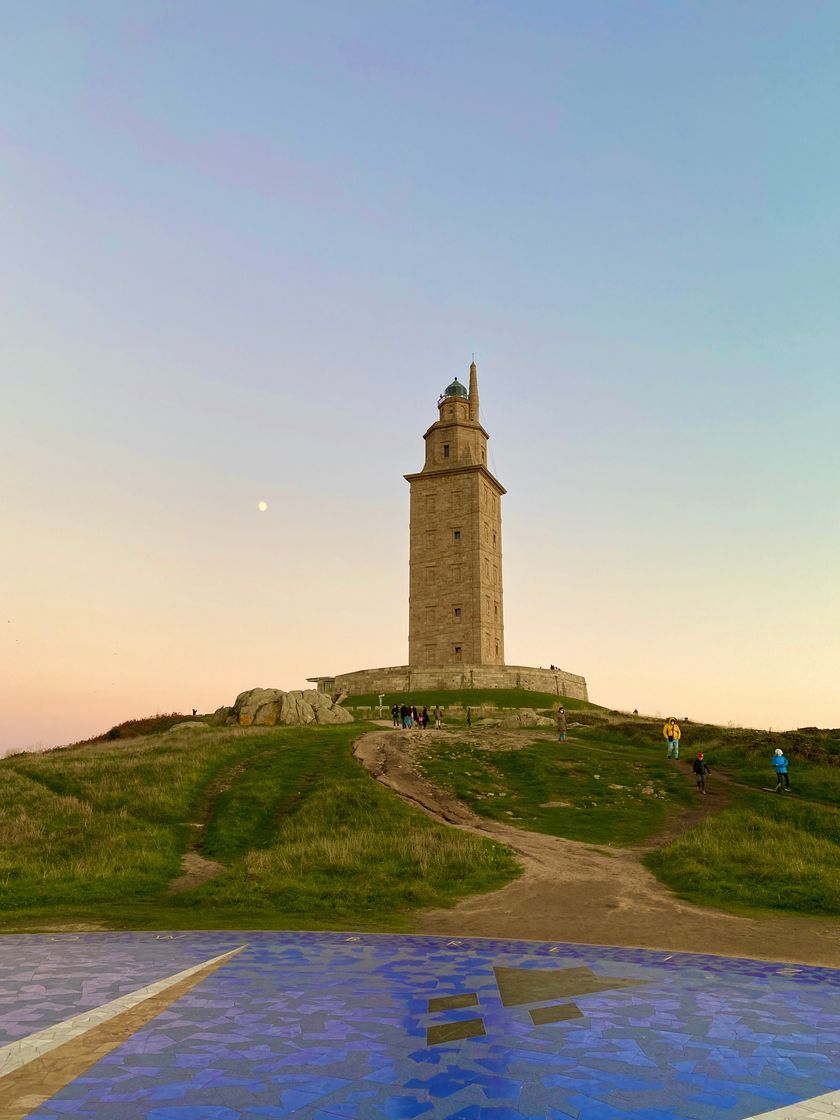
(195, 871)
(582, 893)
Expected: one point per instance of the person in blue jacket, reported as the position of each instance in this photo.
(780, 765)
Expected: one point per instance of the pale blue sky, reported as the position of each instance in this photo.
(246, 245)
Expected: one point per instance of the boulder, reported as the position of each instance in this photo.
(522, 717)
(267, 707)
(190, 725)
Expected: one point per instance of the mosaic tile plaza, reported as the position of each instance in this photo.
(259, 1026)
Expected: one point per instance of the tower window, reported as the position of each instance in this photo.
(446, 451)
(494, 538)
(457, 534)
(457, 612)
(497, 649)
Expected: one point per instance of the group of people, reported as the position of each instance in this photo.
(672, 733)
(407, 715)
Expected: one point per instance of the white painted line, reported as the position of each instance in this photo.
(23, 1050)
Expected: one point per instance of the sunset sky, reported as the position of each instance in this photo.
(246, 245)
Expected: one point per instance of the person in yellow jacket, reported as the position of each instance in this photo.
(672, 733)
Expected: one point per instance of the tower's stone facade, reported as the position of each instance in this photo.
(455, 559)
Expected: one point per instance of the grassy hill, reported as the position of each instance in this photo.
(763, 851)
(611, 783)
(96, 832)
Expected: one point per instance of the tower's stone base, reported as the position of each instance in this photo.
(407, 678)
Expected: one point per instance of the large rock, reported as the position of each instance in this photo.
(526, 717)
(266, 707)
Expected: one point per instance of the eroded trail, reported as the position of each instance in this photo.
(577, 892)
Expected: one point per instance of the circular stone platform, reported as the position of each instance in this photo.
(259, 1026)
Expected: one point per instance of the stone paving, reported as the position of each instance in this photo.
(329, 1026)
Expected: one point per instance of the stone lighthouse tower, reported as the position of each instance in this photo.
(455, 559)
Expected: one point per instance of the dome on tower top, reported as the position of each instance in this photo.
(456, 389)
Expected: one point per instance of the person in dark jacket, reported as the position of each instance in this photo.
(701, 769)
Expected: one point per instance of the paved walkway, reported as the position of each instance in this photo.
(259, 1026)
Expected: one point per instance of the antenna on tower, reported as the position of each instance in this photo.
(473, 392)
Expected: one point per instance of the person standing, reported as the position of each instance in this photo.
(405, 715)
(701, 769)
(438, 714)
(672, 733)
(780, 765)
(395, 714)
(561, 724)
(424, 717)
(469, 718)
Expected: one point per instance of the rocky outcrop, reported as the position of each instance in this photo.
(267, 707)
(526, 717)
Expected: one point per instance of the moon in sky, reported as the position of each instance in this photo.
(262, 506)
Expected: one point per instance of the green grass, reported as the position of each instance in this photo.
(601, 795)
(471, 698)
(150, 725)
(764, 853)
(95, 832)
(308, 837)
(102, 823)
(743, 754)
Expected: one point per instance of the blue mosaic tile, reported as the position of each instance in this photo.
(329, 1025)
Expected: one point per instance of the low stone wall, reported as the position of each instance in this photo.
(405, 678)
